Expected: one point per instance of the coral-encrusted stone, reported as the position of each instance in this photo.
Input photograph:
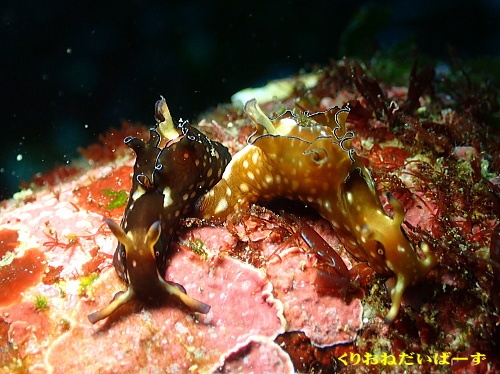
(242, 307)
(325, 319)
(259, 355)
(449, 197)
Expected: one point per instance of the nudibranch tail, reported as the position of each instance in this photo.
(402, 280)
(308, 157)
(380, 239)
(395, 287)
(170, 288)
(166, 127)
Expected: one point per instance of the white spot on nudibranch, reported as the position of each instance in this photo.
(255, 157)
(167, 197)
(221, 206)
(328, 206)
(138, 192)
(349, 197)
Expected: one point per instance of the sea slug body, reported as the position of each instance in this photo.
(173, 169)
(307, 157)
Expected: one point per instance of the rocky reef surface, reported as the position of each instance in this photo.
(431, 143)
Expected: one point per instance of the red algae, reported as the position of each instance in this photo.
(94, 197)
(55, 176)
(19, 273)
(8, 241)
(388, 158)
(111, 145)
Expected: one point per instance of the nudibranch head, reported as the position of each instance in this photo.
(309, 158)
(380, 239)
(141, 265)
(167, 183)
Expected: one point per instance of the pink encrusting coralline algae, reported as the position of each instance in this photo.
(289, 288)
(57, 337)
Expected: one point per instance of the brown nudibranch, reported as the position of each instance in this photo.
(308, 158)
(173, 169)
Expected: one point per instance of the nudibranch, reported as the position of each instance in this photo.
(307, 157)
(173, 169)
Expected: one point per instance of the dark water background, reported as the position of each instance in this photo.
(72, 69)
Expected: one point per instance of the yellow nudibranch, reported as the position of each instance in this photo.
(307, 157)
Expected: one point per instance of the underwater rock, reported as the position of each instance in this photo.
(326, 318)
(165, 337)
(256, 266)
(261, 355)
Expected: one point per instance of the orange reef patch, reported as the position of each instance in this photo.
(8, 241)
(20, 273)
(102, 196)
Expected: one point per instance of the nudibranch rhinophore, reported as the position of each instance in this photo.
(173, 169)
(307, 157)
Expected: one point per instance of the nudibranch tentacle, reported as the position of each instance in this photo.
(167, 183)
(309, 158)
